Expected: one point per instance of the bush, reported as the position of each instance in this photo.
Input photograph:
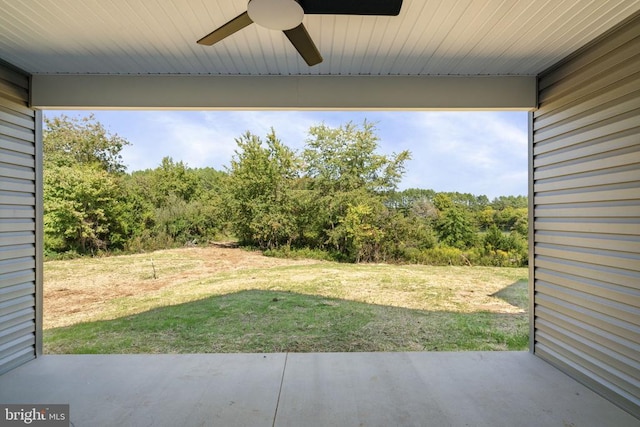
(150, 241)
(50, 255)
(455, 228)
(440, 255)
(303, 253)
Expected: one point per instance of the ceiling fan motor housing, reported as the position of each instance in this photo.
(276, 14)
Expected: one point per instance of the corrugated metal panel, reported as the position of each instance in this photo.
(17, 221)
(429, 37)
(586, 202)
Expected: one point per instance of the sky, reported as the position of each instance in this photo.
(482, 153)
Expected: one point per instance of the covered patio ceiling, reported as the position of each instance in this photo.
(428, 38)
(439, 55)
(459, 54)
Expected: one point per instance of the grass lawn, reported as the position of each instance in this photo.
(218, 299)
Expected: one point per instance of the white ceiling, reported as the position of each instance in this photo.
(429, 37)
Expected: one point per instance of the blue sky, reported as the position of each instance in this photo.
(470, 152)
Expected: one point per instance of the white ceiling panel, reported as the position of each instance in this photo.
(429, 37)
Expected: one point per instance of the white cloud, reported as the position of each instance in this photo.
(291, 126)
(187, 137)
(472, 152)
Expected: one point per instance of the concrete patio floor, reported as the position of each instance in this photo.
(315, 389)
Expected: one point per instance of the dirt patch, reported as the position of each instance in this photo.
(78, 289)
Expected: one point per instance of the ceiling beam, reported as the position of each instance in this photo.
(283, 92)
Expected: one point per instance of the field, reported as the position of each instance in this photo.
(226, 299)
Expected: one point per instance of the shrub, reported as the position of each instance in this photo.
(303, 253)
(440, 255)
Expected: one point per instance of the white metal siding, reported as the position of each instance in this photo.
(17, 221)
(586, 200)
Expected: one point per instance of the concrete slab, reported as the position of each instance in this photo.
(153, 390)
(437, 389)
(315, 389)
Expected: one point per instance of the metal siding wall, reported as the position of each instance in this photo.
(586, 209)
(17, 221)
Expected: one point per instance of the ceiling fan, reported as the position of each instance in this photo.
(286, 15)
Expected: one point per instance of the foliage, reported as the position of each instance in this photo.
(337, 197)
(346, 185)
(83, 209)
(502, 250)
(171, 181)
(175, 205)
(454, 228)
(260, 180)
(288, 252)
(362, 237)
(83, 202)
(344, 159)
(69, 141)
(516, 202)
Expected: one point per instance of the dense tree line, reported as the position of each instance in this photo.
(337, 199)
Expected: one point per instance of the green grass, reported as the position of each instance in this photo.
(318, 307)
(267, 321)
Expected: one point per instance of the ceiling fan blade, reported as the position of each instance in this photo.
(351, 7)
(236, 24)
(300, 39)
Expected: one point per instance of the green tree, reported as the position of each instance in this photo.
(84, 204)
(521, 225)
(174, 204)
(494, 239)
(173, 180)
(455, 228)
(502, 202)
(486, 218)
(409, 199)
(443, 202)
(344, 159)
(83, 209)
(510, 218)
(359, 234)
(343, 169)
(261, 181)
(68, 141)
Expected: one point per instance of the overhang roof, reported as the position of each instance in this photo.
(429, 37)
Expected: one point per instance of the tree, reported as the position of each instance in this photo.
(83, 209)
(83, 198)
(172, 180)
(409, 199)
(502, 202)
(342, 169)
(454, 225)
(69, 141)
(359, 235)
(344, 159)
(486, 218)
(494, 239)
(174, 204)
(261, 188)
(511, 218)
